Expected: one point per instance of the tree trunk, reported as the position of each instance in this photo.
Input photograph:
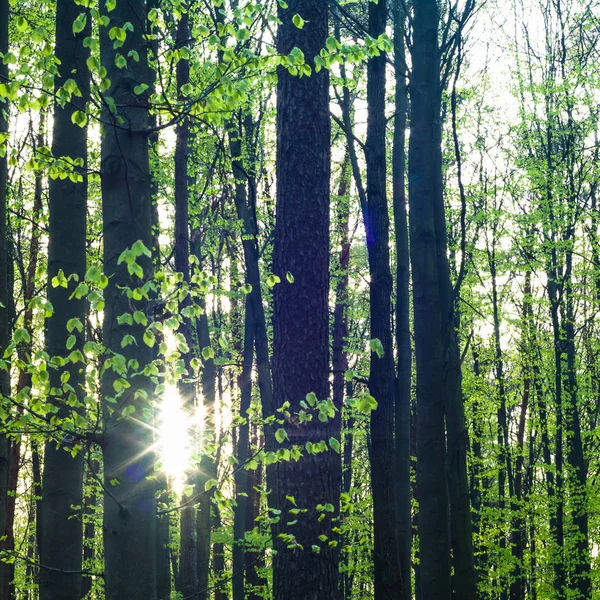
(207, 467)
(89, 525)
(577, 477)
(62, 480)
(24, 354)
(129, 502)
(243, 493)
(434, 543)
(301, 315)
(403, 334)
(382, 383)
(518, 524)
(5, 291)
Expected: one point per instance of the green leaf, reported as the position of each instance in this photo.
(140, 249)
(242, 35)
(71, 340)
(79, 23)
(79, 118)
(140, 318)
(210, 484)
(125, 319)
(273, 280)
(73, 324)
(298, 21)
(140, 89)
(311, 398)
(334, 445)
(281, 435)
(332, 44)
(366, 404)
(21, 335)
(377, 347)
(149, 339)
(207, 353)
(128, 410)
(289, 277)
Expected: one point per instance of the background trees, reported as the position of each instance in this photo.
(207, 323)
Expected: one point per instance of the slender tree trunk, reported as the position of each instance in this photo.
(301, 314)
(518, 525)
(207, 467)
(62, 480)
(245, 204)
(577, 479)
(503, 456)
(185, 386)
(340, 333)
(382, 383)
(129, 499)
(434, 543)
(24, 355)
(89, 526)
(243, 493)
(403, 335)
(163, 566)
(5, 291)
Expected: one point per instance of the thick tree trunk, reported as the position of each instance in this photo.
(62, 480)
(434, 543)
(5, 292)
(301, 315)
(129, 501)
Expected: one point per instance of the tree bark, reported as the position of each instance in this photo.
(301, 315)
(382, 382)
(129, 502)
(434, 543)
(62, 479)
(403, 334)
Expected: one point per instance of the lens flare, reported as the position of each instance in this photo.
(174, 444)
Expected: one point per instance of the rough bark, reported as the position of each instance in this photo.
(62, 479)
(129, 505)
(301, 314)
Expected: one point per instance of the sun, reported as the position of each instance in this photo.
(174, 440)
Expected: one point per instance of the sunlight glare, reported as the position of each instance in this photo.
(174, 439)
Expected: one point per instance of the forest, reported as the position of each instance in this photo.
(299, 299)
